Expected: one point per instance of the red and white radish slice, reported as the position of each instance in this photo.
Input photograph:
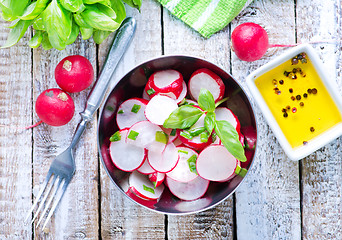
(172, 133)
(215, 163)
(185, 170)
(164, 160)
(159, 109)
(140, 200)
(145, 134)
(190, 190)
(145, 168)
(145, 96)
(250, 136)
(130, 112)
(233, 175)
(165, 81)
(156, 178)
(204, 78)
(194, 142)
(142, 186)
(125, 156)
(183, 93)
(223, 113)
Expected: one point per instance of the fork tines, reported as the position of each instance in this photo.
(53, 191)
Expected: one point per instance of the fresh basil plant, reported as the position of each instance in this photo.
(57, 23)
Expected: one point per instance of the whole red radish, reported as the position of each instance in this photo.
(249, 41)
(74, 73)
(55, 107)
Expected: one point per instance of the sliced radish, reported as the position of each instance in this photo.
(191, 140)
(130, 112)
(250, 136)
(142, 201)
(190, 190)
(183, 93)
(156, 178)
(145, 168)
(185, 170)
(165, 81)
(172, 133)
(164, 160)
(159, 109)
(147, 135)
(215, 163)
(204, 78)
(125, 156)
(142, 186)
(177, 142)
(233, 175)
(223, 113)
(145, 96)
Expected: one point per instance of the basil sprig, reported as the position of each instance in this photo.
(187, 115)
(57, 23)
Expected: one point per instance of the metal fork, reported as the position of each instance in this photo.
(63, 166)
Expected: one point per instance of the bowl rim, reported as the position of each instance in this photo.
(130, 72)
(331, 86)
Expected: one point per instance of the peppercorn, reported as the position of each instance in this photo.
(288, 107)
(281, 82)
(286, 73)
(274, 81)
(312, 129)
(293, 98)
(294, 110)
(299, 56)
(305, 95)
(301, 104)
(298, 97)
(278, 92)
(305, 142)
(294, 61)
(291, 90)
(294, 76)
(285, 115)
(276, 89)
(304, 60)
(314, 91)
(283, 110)
(309, 91)
(294, 70)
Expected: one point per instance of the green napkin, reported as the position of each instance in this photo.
(205, 16)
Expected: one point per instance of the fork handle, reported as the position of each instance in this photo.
(121, 42)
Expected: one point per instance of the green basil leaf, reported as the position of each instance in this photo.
(206, 100)
(36, 40)
(107, 2)
(100, 17)
(13, 23)
(74, 33)
(38, 23)
(86, 33)
(230, 139)
(209, 121)
(34, 9)
(133, 3)
(80, 21)
(183, 117)
(17, 33)
(57, 21)
(99, 36)
(72, 5)
(119, 9)
(46, 42)
(56, 41)
(11, 9)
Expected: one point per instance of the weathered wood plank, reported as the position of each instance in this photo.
(120, 218)
(322, 171)
(15, 143)
(77, 213)
(268, 202)
(216, 223)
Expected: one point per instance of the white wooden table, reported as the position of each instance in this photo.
(280, 199)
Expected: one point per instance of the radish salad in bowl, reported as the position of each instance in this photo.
(177, 135)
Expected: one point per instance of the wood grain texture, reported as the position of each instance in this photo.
(15, 143)
(322, 171)
(216, 223)
(268, 202)
(121, 218)
(77, 214)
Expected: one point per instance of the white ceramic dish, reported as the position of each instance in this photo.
(331, 86)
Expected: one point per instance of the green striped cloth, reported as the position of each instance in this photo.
(205, 16)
